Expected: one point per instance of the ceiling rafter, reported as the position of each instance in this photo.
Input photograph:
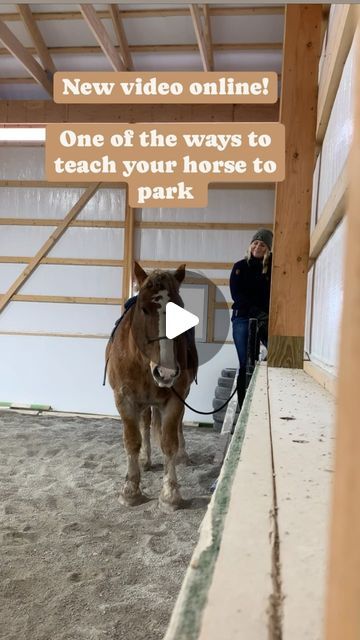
(204, 52)
(121, 37)
(207, 34)
(19, 52)
(37, 38)
(102, 36)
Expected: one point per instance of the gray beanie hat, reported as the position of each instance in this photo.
(265, 235)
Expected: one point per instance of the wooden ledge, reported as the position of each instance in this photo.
(260, 564)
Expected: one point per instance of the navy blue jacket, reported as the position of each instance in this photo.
(250, 288)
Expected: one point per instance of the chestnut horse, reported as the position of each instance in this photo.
(143, 367)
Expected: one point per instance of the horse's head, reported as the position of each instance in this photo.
(149, 321)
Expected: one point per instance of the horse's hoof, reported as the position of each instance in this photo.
(169, 507)
(132, 501)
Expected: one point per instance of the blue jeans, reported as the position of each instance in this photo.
(240, 335)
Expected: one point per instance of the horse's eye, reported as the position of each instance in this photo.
(145, 311)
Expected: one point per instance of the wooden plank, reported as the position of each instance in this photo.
(102, 36)
(204, 53)
(150, 13)
(301, 415)
(174, 264)
(238, 602)
(52, 222)
(211, 313)
(16, 49)
(200, 280)
(49, 244)
(42, 184)
(17, 80)
(100, 336)
(215, 226)
(340, 37)
(331, 215)
(324, 378)
(86, 262)
(65, 299)
(160, 48)
(36, 37)
(128, 250)
(343, 613)
(43, 111)
(121, 37)
(293, 195)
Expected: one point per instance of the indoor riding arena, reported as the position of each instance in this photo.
(262, 540)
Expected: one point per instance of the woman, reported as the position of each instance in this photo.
(250, 289)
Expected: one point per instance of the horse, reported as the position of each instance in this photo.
(144, 367)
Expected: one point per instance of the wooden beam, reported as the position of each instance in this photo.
(208, 35)
(341, 34)
(160, 48)
(56, 334)
(324, 378)
(149, 13)
(343, 613)
(190, 264)
(19, 52)
(209, 226)
(36, 37)
(43, 111)
(196, 18)
(85, 262)
(43, 184)
(65, 299)
(102, 36)
(293, 196)
(128, 249)
(50, 242)
(52, 222)
(121, 37)
(331, 215)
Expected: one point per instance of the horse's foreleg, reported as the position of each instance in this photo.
(145, 451)
(170, 498)
(130, 494)
(181, 457)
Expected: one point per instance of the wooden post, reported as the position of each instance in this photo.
(303, 25)
(343, 602)
(128, 248)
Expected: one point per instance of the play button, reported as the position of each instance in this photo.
(178, 320)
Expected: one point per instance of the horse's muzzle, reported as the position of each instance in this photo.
(164, 377)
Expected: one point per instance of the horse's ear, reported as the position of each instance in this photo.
(180, 273)
(139, 273)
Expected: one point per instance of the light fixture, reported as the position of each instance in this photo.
(22, 134)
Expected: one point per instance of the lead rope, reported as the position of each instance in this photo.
(203, 413)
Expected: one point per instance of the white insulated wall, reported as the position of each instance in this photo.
(207, 245)
(325, 281)
(66, 372)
